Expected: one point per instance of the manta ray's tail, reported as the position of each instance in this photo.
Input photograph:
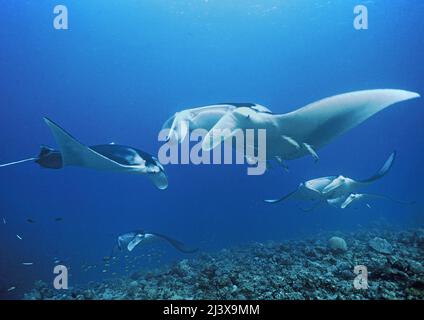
(384, 169)
(44, 153)
(17, 162)
(285, 197)
(115, 250)
(177, 244)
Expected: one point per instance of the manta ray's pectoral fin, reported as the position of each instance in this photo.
(383, 170)
(350, 199)
(321, 122)
(75, 153)
(311, 150)
(317, 123)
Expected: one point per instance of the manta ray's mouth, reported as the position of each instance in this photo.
(335, 184)
(159, 179)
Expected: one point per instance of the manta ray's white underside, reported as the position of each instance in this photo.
(146, 238)
(294, 134)
(342, 197)
(339, 191)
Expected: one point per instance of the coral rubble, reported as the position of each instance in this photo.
(295, 269)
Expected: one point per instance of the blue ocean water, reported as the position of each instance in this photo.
(124, 67)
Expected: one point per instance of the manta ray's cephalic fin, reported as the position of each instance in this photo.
(336, 183)
(133, 243)
(160, 180)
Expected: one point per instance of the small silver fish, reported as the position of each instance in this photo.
(19, 237)
(27, 263)
(11, 289)
(4, 221)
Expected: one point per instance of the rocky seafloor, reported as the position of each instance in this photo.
(315, 268)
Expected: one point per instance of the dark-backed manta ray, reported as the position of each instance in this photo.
(301, 132)
(110, 157)
(128, 241)
(338, 191)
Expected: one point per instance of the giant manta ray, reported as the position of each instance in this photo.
(291, 135)
(339, 191)
(109, 157)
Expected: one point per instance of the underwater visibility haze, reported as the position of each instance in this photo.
(343, 180)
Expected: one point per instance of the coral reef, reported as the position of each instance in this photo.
(337, 244)
(381, 245)
(295, 269)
